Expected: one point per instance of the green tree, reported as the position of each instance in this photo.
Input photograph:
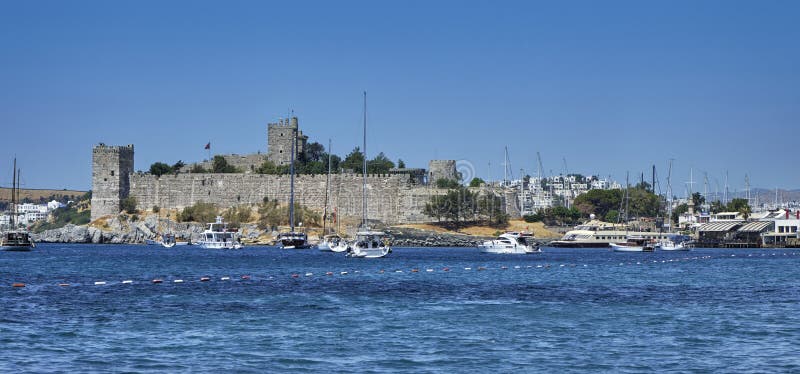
(401, 164)
(220, 165)
(698, 199)
(314, 152)
(159, 168)
(476, 182)
(354, 160)
(447, 183)
(197, 168)
(178, 166)
(128, 205)
(599, 202)
(380, 164)
(199, 212)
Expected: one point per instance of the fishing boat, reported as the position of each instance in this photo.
(218, 236)
(634, 244)
(368, 243)
(674, 243)
(293, 239)
(15, 239)
(511, 243)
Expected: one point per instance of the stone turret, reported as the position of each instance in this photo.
(111, 169)
(442, 169)
(279, 140)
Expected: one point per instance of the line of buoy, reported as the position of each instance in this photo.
(445, 269)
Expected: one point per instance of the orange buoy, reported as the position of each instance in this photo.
(295, 275)
(158, 281)
(446, 269)
(481, 268)
(205, 279)
(18, 285)
(63, 284)
(245, 277)
(415, 270)
(329, 273)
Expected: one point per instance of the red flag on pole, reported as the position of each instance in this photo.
(208, 145)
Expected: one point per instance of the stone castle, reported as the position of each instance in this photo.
(394, 198)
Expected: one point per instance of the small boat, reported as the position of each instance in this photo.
(218, 236)
(15, 239)
(332, 243)
(293, 240)
(511, 243)
(168, 240)
(674, 243)
(152, 242)
(370, 244)
(634, 244)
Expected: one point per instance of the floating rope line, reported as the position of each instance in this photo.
(413, 270)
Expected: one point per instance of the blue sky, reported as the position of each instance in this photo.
(612, 86)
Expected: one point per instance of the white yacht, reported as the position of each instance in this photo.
(511, 243)
(370, 244)
(218, 236)
(332, 243)
(599, 234)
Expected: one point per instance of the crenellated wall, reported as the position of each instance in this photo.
(391, 198)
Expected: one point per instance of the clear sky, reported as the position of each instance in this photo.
(608, 86)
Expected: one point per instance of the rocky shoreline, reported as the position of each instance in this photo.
(122, 230)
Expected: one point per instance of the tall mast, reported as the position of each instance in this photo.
(327, 190)
(291, 183)
(669, 193)
(14, 196)
(364, 190)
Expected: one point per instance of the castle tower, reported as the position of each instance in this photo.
(442, 169)
(111, 169)
(279, 141)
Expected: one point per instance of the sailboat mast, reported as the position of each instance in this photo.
(364, 190)
(14, 196)
(327, 191)
(291, 181)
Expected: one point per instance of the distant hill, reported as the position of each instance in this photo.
(36, 194)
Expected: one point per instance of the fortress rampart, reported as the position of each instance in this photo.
(391, 198)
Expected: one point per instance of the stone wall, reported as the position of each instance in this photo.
(391, 198)
(111, 168)
(246, 163)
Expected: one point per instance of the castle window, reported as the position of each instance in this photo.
(105, 179)
(112, 173)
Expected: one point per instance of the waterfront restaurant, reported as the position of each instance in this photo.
(785, 234)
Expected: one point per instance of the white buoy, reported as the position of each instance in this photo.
(178, 281)
(225, 278)
(127, 282)
(309, 274)
(99, 283)
(467, 268)
(429, 270)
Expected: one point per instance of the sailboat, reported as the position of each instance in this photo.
(15, 239)
(330, 242)
(293, 239)
(368, 243)
(672, 243)
(633, 243)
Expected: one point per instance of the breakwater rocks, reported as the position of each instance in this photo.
(408, 237)
(125, 230)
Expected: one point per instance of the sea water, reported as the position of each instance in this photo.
(418, 310)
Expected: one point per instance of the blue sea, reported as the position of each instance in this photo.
(440, 310)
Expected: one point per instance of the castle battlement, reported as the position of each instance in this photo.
(395, 197)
